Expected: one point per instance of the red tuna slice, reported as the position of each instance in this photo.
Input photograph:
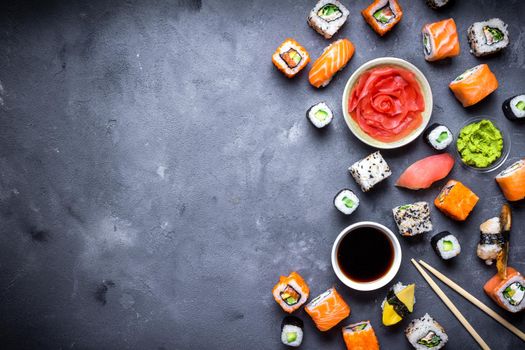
(424, 172)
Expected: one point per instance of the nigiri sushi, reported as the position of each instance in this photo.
(383, 15)
(440, 40)
(490, 240)
(424, 172)
(474, 85)
(511, 181)
(360, 336)
(456, 200)
(333, 59)
(291, 292)
(327, 310)
(508, 292)
(290, 57)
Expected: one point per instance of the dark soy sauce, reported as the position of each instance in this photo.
(365, 254)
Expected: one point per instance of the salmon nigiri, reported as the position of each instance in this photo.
(474, 85)
(328, 309)
(440, 40)
(424, 172)
(334, 58)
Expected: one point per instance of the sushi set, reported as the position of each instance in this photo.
(387, 103)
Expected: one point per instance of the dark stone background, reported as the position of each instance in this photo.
(158, 173)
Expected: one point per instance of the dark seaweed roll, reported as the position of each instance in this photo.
(292, 331)
(320, 115)
(438, 136)
(446, 245)
(514, 108)
(437, 4)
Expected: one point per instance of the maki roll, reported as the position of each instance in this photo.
(440, 40)
(327, 17)
(292, 331)
(514, 108)
(383, 15)
(290, 57)
(488, 37)
(511, 181)
(425, 333)
(360, 335)
(370, 171)
(291, 292)
(507, 292)
(474, 85)
(327, 310)
(456, 200)
(490, 240)
(446, 245)
(438, 136)
(346, 201)
(398, 304)
(413, 219)
(437, 4)
(320, 115)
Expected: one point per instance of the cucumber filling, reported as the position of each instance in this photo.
(384, 15)
(514, 293)
(448, 246)
(290, 296)
(321, 115)
(520, 105)
(292, 57)
(430, 340)
(348, 202)
(443, 136)
(291, 337)
(359, 327)
(329, 12)
(492, 35)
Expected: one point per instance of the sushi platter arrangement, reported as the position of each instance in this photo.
(387, 103)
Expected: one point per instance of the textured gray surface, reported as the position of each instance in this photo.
(158, 174)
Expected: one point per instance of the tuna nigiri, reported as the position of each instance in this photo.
(474, 85)
(328, 309)
(334, 58)
(424, 172)
(440, 40)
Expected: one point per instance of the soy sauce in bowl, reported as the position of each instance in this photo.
(365, 254)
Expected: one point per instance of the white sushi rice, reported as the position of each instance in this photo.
(518, 293)
(370, 171)
(466, 74)
(327, 27)
(287, 329)
(435, 134)
(489, 252)
(346, 201)
(413, 219)
(319, 299)
(480, 44)
(513, 105)
(419, 328)
(320, 115)
(456, 248)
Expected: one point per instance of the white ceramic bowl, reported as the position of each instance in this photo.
(425, 90)
(385, 279)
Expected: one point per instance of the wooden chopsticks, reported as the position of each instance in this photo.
(452, 307)
(474, 301)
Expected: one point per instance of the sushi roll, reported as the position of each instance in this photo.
(333, 59)
(440, 40)
(488, 37)
(490, 240)
(360, 335)
(398, 304)
(320, 115)
(290, 57)
(327, 17)
(509, 292)
(437, 4)
(327, 310)
(511, 181)
(446, 245)
(346, 201)
(474, 85)
(514, 108)
(370, 171)
(413, 219)
(438, 136)
(292, 331)
(456, 200)
(383, 15)
(425, 333)
(291, 292)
